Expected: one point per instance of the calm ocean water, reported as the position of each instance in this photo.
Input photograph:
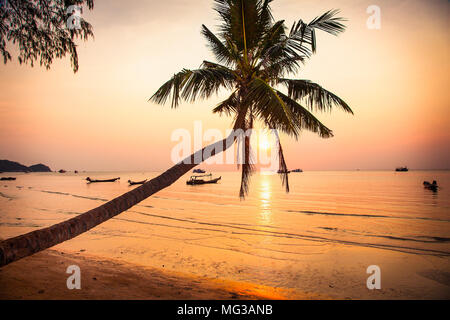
(320, 237)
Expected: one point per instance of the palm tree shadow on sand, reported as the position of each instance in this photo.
(254, 53)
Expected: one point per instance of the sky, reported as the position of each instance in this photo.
(396, 79)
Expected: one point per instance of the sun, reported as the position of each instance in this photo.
(264, 141)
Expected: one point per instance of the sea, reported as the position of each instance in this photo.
(324, 236)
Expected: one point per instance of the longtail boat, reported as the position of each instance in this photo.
(431, 186)
(195, 180)
(132, 183)
(89, 180)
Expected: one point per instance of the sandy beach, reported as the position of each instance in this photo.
(42, 276)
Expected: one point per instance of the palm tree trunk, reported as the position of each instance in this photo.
(25, 245)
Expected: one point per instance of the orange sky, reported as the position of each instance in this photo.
(396, 79)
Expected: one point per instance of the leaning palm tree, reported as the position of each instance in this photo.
(255, 54)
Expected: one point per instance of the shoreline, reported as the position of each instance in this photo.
(43, 277)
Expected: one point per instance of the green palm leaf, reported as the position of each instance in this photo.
(190, 84)
(329, 22)
(220, 50)
(269, 107)
(228, 106)
(305, 119)
(314, 95)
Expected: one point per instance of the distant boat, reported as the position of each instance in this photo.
(402, 169)
(75, 171)
(89, 180)
(281, 171)
(198, 171)
(297, 170)
(62, 171)
(132, 183)
(431, 186)
(194, 180)
(7, 179)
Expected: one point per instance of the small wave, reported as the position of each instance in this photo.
(68, 212)
(146, 206)
(363, 215)
(437, 239)
(6, 196)
(423, 239)
(74, 195)
(20, 224)
(55, 192)
(432, 239)
(89, 198)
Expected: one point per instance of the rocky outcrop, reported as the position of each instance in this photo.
(39, 168)
(11, 166)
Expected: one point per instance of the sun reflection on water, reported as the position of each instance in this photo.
(265, 199)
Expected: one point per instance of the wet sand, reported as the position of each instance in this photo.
(43, 276)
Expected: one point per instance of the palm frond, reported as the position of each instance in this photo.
(191, 84)
(329, 22)
(283, 66)
(220, 50)
(273, 36)
(301, 40)
(265, 17)
(305, 119)
(240, 21)
(228, 106)
(269, 107)
(282, 164)
(316, 97)
(279, 48)
(304, 37)
(208, 65)
(247, 166)
(172, 88)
